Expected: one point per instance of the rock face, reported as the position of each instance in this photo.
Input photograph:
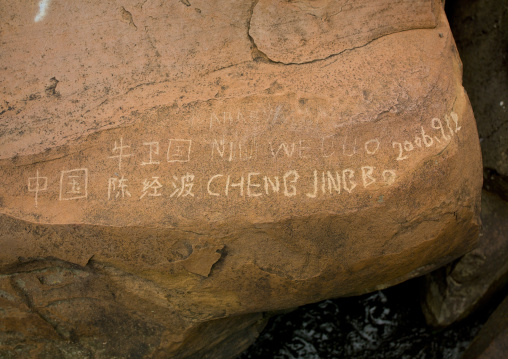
(170, 170)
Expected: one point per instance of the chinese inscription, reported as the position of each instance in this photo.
(181, 183)
(74, 184)
(37, 184)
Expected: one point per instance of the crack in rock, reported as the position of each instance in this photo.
(298, 40)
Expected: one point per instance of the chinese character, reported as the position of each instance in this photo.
(179, 150)
(117, 187)
(154, 150)
(73, 184)
(120, 150)
(183, 186)
(34, 185)
(152, 186)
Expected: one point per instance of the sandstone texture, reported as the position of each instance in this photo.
(171, 170)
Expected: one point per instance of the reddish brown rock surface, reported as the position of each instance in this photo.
(173, 165)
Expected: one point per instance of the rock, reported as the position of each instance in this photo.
(492, 341)
(182, 180)
(295, 33)
(456, 290)
(54, 309)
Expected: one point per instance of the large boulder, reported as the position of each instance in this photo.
(181, 167)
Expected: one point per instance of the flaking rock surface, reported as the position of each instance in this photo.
(169, 170)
